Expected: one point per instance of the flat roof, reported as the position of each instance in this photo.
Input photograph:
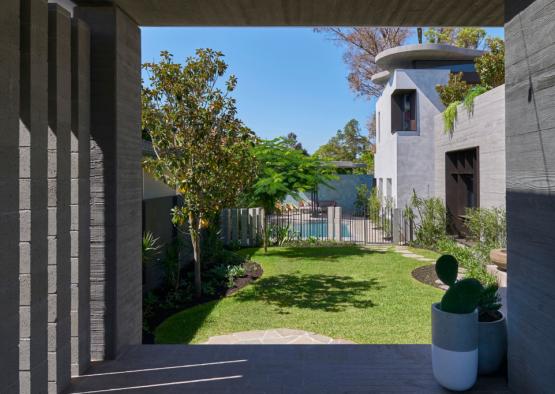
(403, 56)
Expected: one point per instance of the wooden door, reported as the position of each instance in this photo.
(461, 187)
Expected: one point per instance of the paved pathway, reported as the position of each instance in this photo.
(270, 369)
(280, 336)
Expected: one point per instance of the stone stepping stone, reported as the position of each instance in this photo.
(281, 336)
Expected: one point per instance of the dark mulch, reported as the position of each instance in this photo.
(253, 272)
(426, 274)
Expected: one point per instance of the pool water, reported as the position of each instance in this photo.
(318, 230)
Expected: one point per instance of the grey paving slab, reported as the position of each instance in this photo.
(270, 369)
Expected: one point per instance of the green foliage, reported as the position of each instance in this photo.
(490, 304)
(487, 227)
(202, 150)
(447, 269)
(454, 91)
(429, 216)
(450, 116)
(463, 37)
(491, 66)
(151, 247)
(462, 297)
(362, 198)
(474, 92)
(469, 37)
(471, 259)
(374, 204)
(440, 35)
(348, 144)
(281, 234)
(284, 171)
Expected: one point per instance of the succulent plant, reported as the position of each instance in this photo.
(463, 296)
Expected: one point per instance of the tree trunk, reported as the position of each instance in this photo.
(195, 240)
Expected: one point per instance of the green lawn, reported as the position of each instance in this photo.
(342, 292)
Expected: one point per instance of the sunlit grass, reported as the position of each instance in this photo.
(341, 292)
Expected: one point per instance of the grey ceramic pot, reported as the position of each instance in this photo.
(492, 347)
(454, 348)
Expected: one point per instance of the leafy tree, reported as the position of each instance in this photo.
(455, 90)
(284, 171)
(491, 65)
(348, 144)
(201, 149)
(362, 45)
(292, 141)
(464, 37)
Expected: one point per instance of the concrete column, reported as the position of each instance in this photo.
(244, 226)
(331, 223)
(59, 215)
(80, 198)
(33, 196)
(116, 180)
(9, 200)
(338, 214)
(530, 144)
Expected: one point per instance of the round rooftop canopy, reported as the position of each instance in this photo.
(405, 56)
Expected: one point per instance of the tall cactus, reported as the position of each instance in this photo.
(462, 296)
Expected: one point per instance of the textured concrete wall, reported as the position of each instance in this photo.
(80, 198)
(530, 143)
(33, 196)
(407, 158)
(484, 128)
(9, 200)
(59, 192)
(116, 317)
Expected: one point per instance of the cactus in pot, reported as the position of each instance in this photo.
(455, 328)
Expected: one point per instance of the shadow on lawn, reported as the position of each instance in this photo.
(324, 292)
(314, 253)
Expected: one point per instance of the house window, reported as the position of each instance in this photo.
(403, 110)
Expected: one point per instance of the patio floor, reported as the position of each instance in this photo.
(288, 369)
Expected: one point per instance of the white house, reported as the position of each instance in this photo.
(405, 114)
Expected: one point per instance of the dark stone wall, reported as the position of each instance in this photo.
(116, 318)
(9, 196)
(530, 142)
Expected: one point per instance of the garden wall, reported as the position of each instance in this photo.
(343, 190)
(485, 129)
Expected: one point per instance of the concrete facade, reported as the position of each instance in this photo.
(33, 160)
(484, 129)
(116, 151)
(530, 144)
(80, 198)
(10, 180)
(404, 159)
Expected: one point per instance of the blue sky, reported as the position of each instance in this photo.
(289, 79)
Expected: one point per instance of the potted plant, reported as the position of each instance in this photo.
(455, 333)
(492, 347)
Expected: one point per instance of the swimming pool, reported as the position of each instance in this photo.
(318, 229)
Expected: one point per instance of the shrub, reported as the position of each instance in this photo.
(488, 228)
(474, 92)
(491, 65)
(450, 117)
(362, 198)
(430, 220)
(374, 204)
(455, 90)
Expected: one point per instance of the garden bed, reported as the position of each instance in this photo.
(427, 275)
(253, 271)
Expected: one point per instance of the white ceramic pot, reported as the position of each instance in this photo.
(455, 348)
